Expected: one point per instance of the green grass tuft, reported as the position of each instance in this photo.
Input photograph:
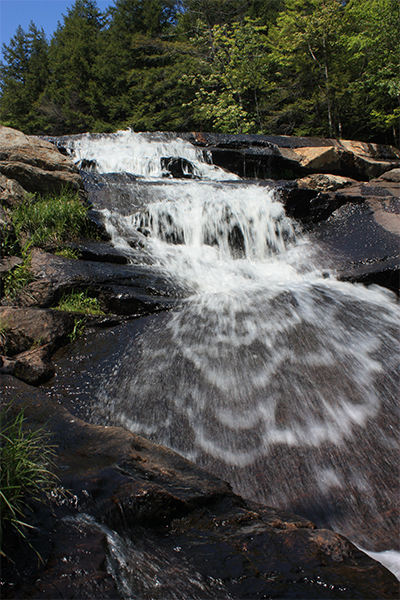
(26, 462)
(67, 253)
(51, 219)
(79, 302)
(19, 276)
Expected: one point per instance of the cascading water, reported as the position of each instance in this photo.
(271, 373)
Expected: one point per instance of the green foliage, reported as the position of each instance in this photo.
(19, 276)
(67, 253)
(4, 327)
(234, 80)
(79, 327)
(50, 219)
(23, 79)
(295, 67)
(26, 463)
(70, 100)
(79, 302)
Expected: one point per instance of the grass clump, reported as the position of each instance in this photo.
(79, 328)
(26, 462)
(67, 253)
(51, 218)
(4, 327)
(19, 276)
(79, 302)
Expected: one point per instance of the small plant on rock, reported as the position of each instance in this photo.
(4, 327)
(51, 219)
(25, 474)
(67, 253)
(19, 276)
(79, 302)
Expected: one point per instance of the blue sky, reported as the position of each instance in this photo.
(44, 13)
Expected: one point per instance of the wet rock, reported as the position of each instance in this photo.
(124, 289)
(361, 248)
(284, 157)
(177, 167)
(78, 565)
(100, 252)
(25, 327)
(362, 236)
(35, 164)
(33, 366)
(175, 513)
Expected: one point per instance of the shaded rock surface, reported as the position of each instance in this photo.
(28, 339)
(33, 366)
(122, 485)
(284, 157)
(362, 234)
(25, 327)
(121, 289)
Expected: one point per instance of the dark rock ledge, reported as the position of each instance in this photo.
(230, 547)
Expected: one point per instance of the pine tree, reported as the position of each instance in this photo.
(23, 77)
(71, 100)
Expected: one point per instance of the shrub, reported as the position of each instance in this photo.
(26, 460)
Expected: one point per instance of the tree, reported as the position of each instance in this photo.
(141, 63)
(23, 77)
(229, 90)
(310, 66)
(71, 99)
(373, 54)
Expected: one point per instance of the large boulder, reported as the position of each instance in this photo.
(356, 223)
(286, 157)
(167, 525)
(34, 164)
(23, 328)
(33, 366)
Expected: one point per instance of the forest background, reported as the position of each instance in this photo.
(328, 68)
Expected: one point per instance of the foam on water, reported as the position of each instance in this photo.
(141, 153)
(261, 325)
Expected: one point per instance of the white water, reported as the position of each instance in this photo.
(257, 329)
(271, 373)
(141, 153)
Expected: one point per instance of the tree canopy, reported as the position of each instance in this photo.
(295, 67)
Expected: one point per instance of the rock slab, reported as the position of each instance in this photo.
(176, 514)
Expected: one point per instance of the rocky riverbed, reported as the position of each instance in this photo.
(188, 523)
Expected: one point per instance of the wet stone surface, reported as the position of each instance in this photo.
(123, 493)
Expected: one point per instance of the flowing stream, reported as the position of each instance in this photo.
(270, 372)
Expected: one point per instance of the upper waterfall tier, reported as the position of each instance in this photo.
(144, 154)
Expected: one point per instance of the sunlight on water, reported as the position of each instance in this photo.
(141, 153)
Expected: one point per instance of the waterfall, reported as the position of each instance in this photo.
(271, 372)
(140, 153)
